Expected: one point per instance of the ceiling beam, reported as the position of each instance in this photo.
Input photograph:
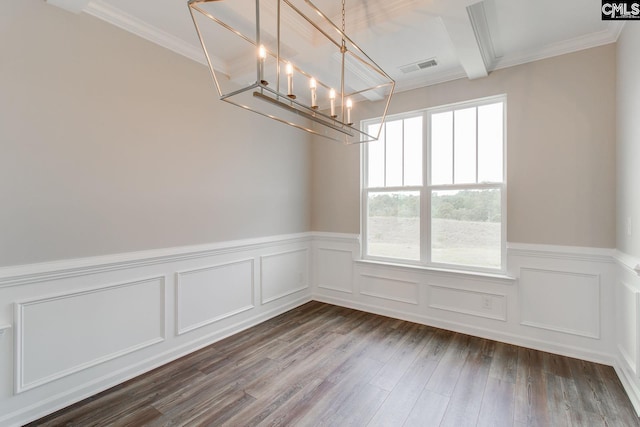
(469, 33)
(478, 16)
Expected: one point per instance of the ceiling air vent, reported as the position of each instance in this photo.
(417, 66)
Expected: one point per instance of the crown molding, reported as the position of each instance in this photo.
(115, 16)
(615, 28)
(418, 82)
(600, 38)
(73, 6)
(120, 19)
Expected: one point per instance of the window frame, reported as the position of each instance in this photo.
(426, 189)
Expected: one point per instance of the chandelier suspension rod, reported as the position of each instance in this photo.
(278, 50)
(343, 50)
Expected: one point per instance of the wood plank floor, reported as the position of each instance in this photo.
(322, 365)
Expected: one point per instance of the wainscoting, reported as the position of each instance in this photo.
(627, 333)
(73, 328)
(556, 299)
(577, 302)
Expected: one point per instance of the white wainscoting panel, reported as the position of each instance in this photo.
(389, 288)
(465, 301)
(63, 334)
(627, 311)
(283, 274)
(208, 294)
(561, 301)
(627, 327)
(80, 326)
(335, 269)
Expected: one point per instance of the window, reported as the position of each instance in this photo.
(434, 187)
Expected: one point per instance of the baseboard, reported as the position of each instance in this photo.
(295, 260)
(148, 308)
(628, 384)
(69, 397)
(568, 351)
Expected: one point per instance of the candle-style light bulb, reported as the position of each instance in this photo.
(290, 81)
(262, 56)
(314, 97)
(349, 107)
(332, 102)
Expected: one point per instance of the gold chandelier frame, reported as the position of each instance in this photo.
(368, 85)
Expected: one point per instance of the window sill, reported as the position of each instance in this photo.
(493, 277)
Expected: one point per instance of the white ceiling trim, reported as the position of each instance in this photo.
(463, 38)
(615, 28)
(74, 6)
(479, 22)
(433, 79)
(468, 46)
(610, 35)
(117, 17)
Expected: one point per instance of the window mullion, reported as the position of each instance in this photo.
(425, 205)
(477, 145)
(402, 154)
(384, 181)
(453, 147)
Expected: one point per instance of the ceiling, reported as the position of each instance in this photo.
(467, 38)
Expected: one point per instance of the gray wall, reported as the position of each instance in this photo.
(109, 144)
(560, 150)
(628, 114)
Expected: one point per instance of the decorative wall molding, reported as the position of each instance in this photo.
(461, 298)
(336, 237)
(627, 327)
(45, 321)
(577, 253)
(66, 397)
(392, 289)
(50, 271)
(543, 290)
(279, 260)
(292, 277)
(476, 330)
(628, 320)
(334, 268)
(230, 299)
(628, 262)
(629, 383)
(497, 309)
(33, 292)
(441, 272)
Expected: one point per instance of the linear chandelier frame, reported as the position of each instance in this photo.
(341, 77)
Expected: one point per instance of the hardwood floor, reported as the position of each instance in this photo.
(325, 365)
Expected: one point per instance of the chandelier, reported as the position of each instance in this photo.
(287, 60)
